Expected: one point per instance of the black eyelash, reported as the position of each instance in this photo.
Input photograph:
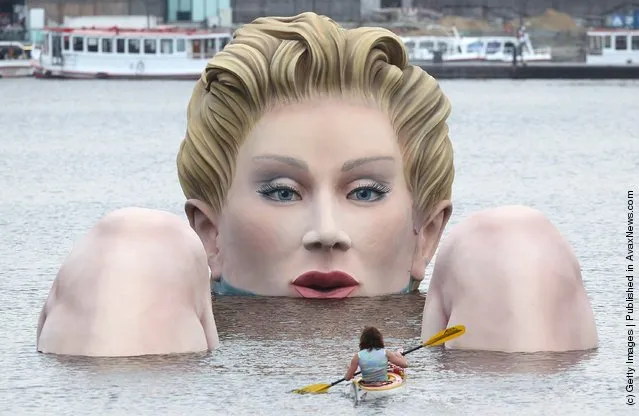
(268, 188)
(378, 187)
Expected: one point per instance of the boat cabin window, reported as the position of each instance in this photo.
(150, 46)
(10, 52)
(475, 46)
(66, 43)
(134, 45)
(107, 45)
(92, 44)
(206, 48)
(210, 48)
(595, 45)
(119, 45)
(196, 47)
(607, 42)
(180, 45)
(410, 45)
(224, 41)
(166, 46)
(428, 45)
(634, 43)
(509, 47)
(621, 42)
(78, 44)
(442, 46)
(493, 47)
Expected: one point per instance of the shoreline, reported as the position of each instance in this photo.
(446, 70)
(541, 70)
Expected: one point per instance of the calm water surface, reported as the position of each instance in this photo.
(72, 151)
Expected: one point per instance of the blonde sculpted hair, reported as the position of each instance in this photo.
(274, 61)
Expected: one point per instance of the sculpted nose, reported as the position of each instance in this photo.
(325, 234)
(326, 240)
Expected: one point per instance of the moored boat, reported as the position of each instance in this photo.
(15, 59)
(157, 53)
(456, 48)
(361, 391)
(613, 47)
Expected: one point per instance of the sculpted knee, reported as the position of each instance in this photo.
(137, 283)
(509, 275)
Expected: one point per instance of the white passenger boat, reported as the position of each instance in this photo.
(456, 48)
(159, 53)
(500, 49)
(613, 47)
(449, 44)
(361, 391)
(423, 48)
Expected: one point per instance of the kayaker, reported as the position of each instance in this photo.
(373, 358)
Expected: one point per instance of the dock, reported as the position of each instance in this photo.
(545, 70)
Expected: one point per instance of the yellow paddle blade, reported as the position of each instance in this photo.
(313, 389)
(445, 335)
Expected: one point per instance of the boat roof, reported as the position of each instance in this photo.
(116, 30)
(602, 30)
(426, 37)
(13, 43)
(497, 38)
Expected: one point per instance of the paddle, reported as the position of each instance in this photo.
(437, 339)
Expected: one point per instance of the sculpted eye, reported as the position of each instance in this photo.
(284, 195)
(279, 192)
(369, 193)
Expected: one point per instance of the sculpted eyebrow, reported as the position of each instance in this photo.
(300, 164)
(287, 160)
(352, 164)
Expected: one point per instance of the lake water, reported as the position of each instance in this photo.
(72, 151)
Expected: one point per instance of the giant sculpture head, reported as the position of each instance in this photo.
(316, 161)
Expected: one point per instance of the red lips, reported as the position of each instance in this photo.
(332, 285)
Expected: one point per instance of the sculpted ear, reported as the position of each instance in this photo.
(428, 236)
(205, 223)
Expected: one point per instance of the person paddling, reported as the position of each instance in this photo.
(373, 358)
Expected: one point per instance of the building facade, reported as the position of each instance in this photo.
(55, 10)
(245, 11)
(358, 10)
(209, 12)
(511, 8)
(212, 12)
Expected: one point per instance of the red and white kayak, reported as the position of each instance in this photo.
(362, 391)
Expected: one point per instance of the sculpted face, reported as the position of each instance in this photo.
(318, 207)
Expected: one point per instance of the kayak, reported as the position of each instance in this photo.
(360, 391)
